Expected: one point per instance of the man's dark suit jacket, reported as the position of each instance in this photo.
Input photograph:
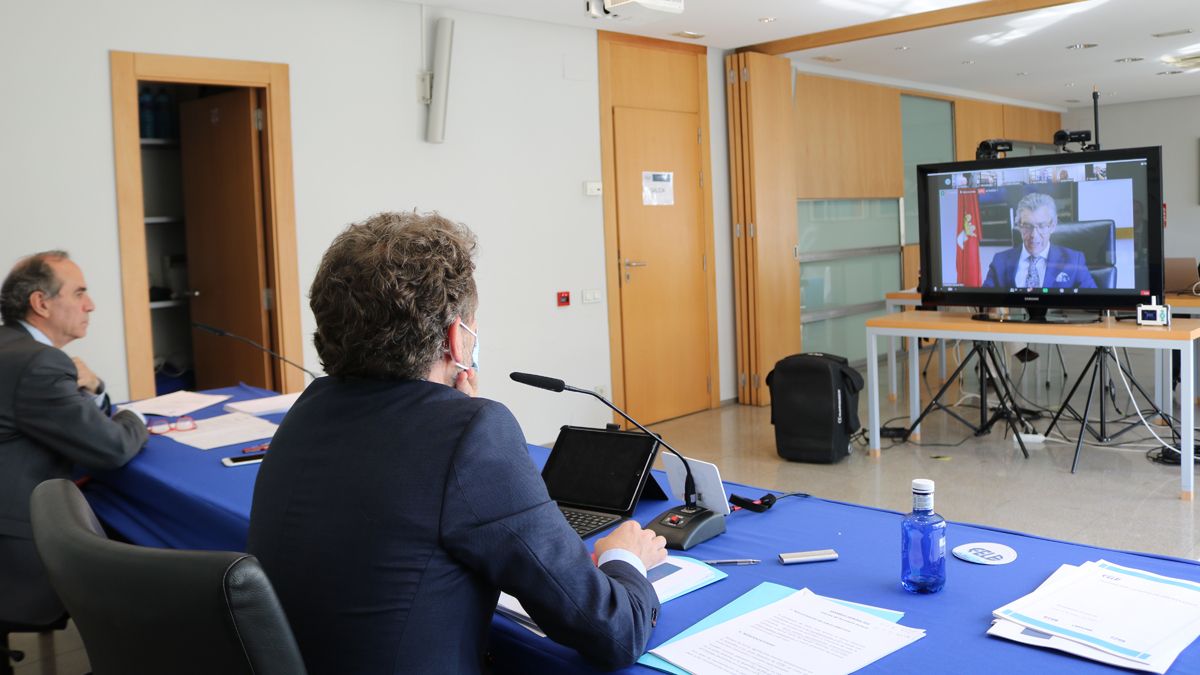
(389, 515)
(1065, 268)
(46, 427)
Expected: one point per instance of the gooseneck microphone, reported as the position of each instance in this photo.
(224, 333)
(682, 526)
(552, 384)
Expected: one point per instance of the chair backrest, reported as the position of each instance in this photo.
(150, 610)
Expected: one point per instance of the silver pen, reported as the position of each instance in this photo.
(743, 561)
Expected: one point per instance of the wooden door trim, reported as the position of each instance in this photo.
(612, 273)
(985, 9)
(128, 69)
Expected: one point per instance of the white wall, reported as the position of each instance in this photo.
(1175, 125)
(722, 223)
(522, 137)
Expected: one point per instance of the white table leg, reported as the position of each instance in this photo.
(1168, 395)
(1158, 376)
(942, 360)
(914, 384)
(892, 368)
(1187, 407)
(873, 393)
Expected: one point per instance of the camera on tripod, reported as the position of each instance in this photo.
(1062, 137)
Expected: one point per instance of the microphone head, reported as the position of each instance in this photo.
(539, 381)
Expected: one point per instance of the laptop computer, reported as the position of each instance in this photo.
(596, 476)
(1179, 275)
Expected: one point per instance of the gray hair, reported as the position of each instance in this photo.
(1037, 200)
(31, 274)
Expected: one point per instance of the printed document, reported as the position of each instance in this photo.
(1132, 618)
(175, 404)
(268, 405)
(803, 633)
(222, 430)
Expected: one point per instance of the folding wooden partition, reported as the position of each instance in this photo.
(762, 175)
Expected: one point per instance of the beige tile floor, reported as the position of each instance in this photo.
(1117, 499)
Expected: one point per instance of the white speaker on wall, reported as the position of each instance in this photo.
(443, 41)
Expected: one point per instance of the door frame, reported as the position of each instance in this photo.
(128, 71)
(605, 39)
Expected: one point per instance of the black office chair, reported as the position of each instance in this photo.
(1096, 240)
(8, 655)
(150, 610)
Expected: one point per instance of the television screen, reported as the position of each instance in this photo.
(1071, 230)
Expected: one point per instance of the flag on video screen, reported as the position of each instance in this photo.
(967, 239)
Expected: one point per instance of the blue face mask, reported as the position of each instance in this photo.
(474, 350)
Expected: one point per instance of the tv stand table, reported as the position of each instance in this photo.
(1180, 336)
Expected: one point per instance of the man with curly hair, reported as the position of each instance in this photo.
(394, 505)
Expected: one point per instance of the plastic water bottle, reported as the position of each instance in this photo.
(923, 543)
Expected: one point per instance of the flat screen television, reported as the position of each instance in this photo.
(1071, 230)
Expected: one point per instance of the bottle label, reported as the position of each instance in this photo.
(922, 502)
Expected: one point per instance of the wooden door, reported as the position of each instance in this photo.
(664, 309)
(223, 211)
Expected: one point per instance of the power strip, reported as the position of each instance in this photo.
(1032, 439)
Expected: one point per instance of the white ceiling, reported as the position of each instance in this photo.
(1031, 42)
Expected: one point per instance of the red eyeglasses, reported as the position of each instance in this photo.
(162, 425)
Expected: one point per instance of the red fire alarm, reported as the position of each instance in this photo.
(564, 298)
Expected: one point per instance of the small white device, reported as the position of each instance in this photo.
(639, 11)
(710, 491)
(243, 460)
(808, 556)
(1154, 314)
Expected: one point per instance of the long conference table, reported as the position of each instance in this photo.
(175, 496)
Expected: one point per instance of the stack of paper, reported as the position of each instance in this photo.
(775, 629)
(222, 430)
(268, 405)
(675, 576)
(1108, 613)
(175, 404)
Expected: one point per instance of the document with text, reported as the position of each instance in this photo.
(175, 404)
(1108, 613)
(222, 430)
(804, 633)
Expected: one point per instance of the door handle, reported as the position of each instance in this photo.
(634, 263)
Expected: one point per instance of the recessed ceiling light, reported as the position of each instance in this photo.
(1170, 72)
(1082, 45)
(688, 35)
(967, 63)
(826, 59)
(903, 48)
(1022, 74)
(1069, 84)
(1128, 59)
(766, 19)
(1071, 100)
(1173, 33)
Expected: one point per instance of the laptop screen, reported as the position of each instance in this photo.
(599, 469)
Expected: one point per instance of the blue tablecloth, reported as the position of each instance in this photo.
(176, 496)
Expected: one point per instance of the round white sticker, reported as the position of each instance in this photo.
(985, 553)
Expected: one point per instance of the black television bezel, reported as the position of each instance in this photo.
(975, 298)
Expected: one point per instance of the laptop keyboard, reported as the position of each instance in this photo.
(587, 522)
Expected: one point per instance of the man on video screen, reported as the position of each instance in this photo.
(1037, 263)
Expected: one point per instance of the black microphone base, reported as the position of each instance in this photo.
(685, 526)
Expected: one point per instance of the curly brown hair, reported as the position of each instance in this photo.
(386, 291)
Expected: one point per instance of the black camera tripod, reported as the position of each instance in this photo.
(990, 369)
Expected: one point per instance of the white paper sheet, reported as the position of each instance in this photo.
(803, 633)
(1140, 617)
(268, 405)
(175, 404)
(222, 430)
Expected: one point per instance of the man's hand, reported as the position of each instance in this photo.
(87, 379)
(651, 548)
(467, 381)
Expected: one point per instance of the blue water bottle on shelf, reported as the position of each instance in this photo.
(923, 543)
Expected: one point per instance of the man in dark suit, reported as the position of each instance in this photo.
(1037, 263)
(53, 414)
(394, 505)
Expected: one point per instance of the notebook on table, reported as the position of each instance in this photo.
(597, 476)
